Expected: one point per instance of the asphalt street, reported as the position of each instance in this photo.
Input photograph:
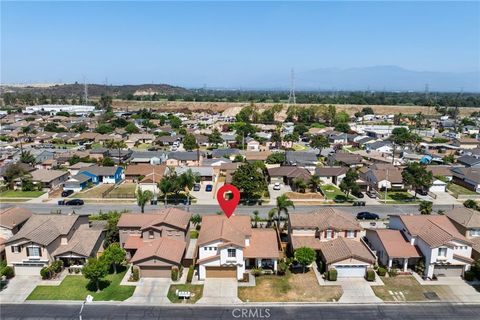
(429, 311)
(90, 208)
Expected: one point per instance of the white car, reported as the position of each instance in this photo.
(276, 186)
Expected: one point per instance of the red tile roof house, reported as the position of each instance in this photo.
(467, 222)
(11, 221)
(337, 238)
(155, 242)
(447, 252)
(227, 247)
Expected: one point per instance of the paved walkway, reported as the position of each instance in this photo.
(19, 288)
(151, 291)
(220, 291)
(357, 290)
(460, 290)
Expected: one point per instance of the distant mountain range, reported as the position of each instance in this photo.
(377, 78)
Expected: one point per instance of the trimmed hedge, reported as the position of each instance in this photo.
(175, 273)
(370, 275)
(191, 270)
(382, 271)
(7, 271)
(332, 275)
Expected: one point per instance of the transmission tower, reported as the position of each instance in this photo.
(427, 99)
(291, 96)
(85, 90)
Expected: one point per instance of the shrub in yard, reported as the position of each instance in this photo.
(282, 268)
(420, 267)
(8, 272)
(57, 266)
(370, 275)
(135, 274)
(469, 276)
(393, 272)
(174, 275)
(382, 271)
(257, 271)
(45, 273)
(332, 275)
(191, 270)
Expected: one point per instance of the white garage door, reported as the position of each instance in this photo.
(448, 271)
(350, 271)
(27, 270)
(437, 188)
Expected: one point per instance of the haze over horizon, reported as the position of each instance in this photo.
(342, 46)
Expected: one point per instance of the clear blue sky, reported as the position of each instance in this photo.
(192, 43)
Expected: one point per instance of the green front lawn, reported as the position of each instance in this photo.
(455, 188)
(398, 197)
(20, 194)
(196, 290)
(125, 190)
(76, 287)
(331, 192)
(405, 288)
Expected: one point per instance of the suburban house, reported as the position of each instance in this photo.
(467, 177)
(75, 168)
(469, 161)
(467, 222)
(337, 238)
(380, 176)
(155, 242)
(332, 175)
(137, 172)
(392, 249)
(48, 237)
(152, 157)
(227, 247)
(204, 173)
(447, 252)
(11, 220)
(100, 175)
(184, 158)
(77, 182)
(308, 160)
(49, 179)
(345, 159)
(288, 174)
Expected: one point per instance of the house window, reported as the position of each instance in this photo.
(232, 253)
(205, 248)
(16, 249)
(150, 234)
(442, 252)
(475, 232)
(350, 234)
(329, 234)
(34, 251)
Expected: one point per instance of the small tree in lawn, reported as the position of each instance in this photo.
(114, 255)
(95, 270)
(305, 256)
(196, 219)
(426, 207)
(417, 176)
(143, 197)
(255, 218)
(349, 183)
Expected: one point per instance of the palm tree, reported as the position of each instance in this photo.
(255, 218)
(119, 145)
(25, 130)
(186, 181)
(283, 203)
(166, 186)
(300, 185)
(271, 214)
(143, 196)
(314, 183)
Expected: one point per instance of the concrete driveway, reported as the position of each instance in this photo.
(220, 291)
(19, 288)
(151, 291)
(277, 193)
(460, 291)
(357, 290)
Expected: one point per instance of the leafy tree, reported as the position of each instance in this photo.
(425, 207)
(329, 114)
(314, 183)
(189, 142)
(186, 180)
(119, 122)
(417, 176)
(300, 185)
(105, 103)
(400, 137)
(215, 137)
(114, 255)
(300, 129)
(349, 183)
(255, 218)
(471, 204)
(13, 172)
(53, 127)
(118, 145)
(319, 142)
(249, 178)
(175, 122)
(305, 256)
(79, 127)
(276, 158)
(95, 270)
(27, 157)
(283, 203)
(143, 196)
(131, 128)
(367, 110)
(196, 219)
(167, 185)
(341, 117)
(448, 159)
(292, 137)
(238, 158)
(111, 231)
(104, 128)
(107, 162)
(342, 127)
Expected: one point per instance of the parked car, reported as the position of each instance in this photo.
(209, 188)
(276, 186)
(422, 192)
(66, 193)
(358, 194)
(365, 215)
(196, 187)
(359, 203)
(371, 194)
(74, 202)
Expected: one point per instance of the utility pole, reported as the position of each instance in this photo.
(386, 186)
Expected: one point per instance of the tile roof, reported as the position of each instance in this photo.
(13, 216)
(330, 171)
(473, 174)
(45, 228)
(466, 217)
(134, 241)
(395, 244)
(163, 248)
(476, 244)
(290, 172)
(144, 169)
(435, 230)
(171, 216)
(323, 219)
(219, 227)
(44, 175)
(263, 244)
(82, 242)
(341, 249)
(100, 171)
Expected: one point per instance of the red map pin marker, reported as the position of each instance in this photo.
(228, 206)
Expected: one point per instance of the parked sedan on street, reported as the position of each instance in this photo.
(365, 215)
